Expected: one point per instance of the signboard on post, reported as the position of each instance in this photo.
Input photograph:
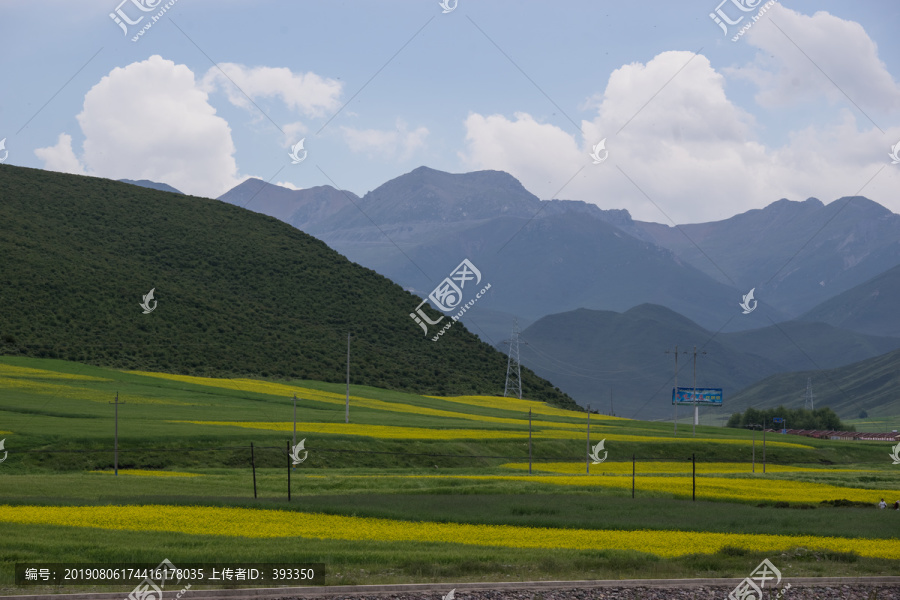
(705, 396)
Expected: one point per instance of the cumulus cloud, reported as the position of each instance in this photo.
(399, 143)
(307, 93)
(842, 49)
(689, 155)
(149, 120)
(61, 157)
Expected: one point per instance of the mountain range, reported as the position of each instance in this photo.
(547, 257)
(630, 356)
(593, 287)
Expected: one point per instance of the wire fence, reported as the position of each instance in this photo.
(268, 456)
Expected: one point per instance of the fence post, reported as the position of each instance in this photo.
(253, 465)
(632, 476)
(694, 477)
(288, 454)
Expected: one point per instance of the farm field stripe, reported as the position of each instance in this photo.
(710, 488)
(424, 433)
(242, 522)
(680, 468)
(148, 473)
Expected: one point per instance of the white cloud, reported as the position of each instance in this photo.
(307, 93)
(540, 155)
(692, 154)
(842, 49)
(399, 143)
(288, 185)
(61, 157)
(149, 120)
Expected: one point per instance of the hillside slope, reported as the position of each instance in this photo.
(592, 353)
(238, 294)
(870, 307)
(870, 385)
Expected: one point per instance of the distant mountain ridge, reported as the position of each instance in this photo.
(153, 185)
(796, 254)
(592, 353)
(867, 386)
(415, 227)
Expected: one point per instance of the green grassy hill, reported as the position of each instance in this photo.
(239, 294)
(870, 385)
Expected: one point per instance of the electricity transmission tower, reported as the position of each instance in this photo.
(809, 397)
(513, 368)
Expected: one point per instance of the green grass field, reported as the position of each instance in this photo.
(414, 489)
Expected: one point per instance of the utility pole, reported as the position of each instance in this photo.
(587, 459)
(347, 405)
(295, 419)
(513, 367)
(116, 451)
(675, 399)
(756, 426)
(809, 397)
(694, 394)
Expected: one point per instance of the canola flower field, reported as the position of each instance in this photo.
(412, 477)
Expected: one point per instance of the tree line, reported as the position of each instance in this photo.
(794, 418)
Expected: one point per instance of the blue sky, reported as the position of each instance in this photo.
(698, 127)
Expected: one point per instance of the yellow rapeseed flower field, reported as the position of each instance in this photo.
(536, 407)
(282, 390)
(753, 489)
(73, 392)
(251, 523)
(28, 372)
(388, 432)
(142, 473)
(675, 467)
(421, 433)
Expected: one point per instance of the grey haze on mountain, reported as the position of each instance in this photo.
(545, 257)
(540, 257)
(796, 254)
(591, 353)
(871, 307)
